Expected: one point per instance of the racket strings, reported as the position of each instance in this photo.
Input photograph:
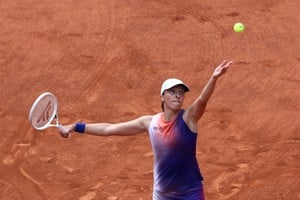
(45, 115)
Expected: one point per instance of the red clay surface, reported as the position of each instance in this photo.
(105, 62)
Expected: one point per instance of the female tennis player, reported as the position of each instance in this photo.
(173, 136)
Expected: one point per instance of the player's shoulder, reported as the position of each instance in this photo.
(146, 118)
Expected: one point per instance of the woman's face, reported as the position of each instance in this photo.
(173, 97)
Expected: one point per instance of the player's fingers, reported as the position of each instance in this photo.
(223, 63)
(228, 63)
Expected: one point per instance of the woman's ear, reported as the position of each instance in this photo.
(162, 98)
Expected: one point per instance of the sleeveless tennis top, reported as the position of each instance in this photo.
(176, 171)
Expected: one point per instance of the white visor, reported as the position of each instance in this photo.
(169, 83)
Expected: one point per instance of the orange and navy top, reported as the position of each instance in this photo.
(176, 171)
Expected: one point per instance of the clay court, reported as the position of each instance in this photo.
(105, 62)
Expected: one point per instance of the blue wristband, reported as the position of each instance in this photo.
(80, 127)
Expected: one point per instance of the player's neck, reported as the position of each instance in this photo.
(170, 115)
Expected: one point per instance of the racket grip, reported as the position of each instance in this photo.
(62, 129)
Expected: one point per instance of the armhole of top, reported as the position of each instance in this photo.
(182, 112)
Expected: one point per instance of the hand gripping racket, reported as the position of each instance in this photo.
(43, 113)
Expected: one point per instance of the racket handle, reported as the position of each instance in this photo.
(62, 129)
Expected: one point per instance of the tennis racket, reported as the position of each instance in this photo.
(44, 113)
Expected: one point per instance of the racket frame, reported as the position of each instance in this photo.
(53, 117)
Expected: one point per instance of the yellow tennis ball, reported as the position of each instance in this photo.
(238, 27)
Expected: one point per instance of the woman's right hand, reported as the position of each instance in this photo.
(65, 131)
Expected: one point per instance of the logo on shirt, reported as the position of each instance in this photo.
(157, 129)
(162, 133)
